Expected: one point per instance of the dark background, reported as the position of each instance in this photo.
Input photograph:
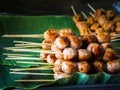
(51, 7)
(57, 7)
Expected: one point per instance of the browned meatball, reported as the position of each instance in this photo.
(94, 26)
(75, 42)
(83, 67)
(99, 30)
(61, 75)
(110, 14)
(109, 26)
(62, 42)
(103, 37)
(83, 28)
(58, 50)
(102, 20)
(43, 56)
(116, 19)
(51, 35)
(99, 65)
(84, 54)
(90, 21)
(96, 49)
(98, 13)
(77, 18)
(69, 67)
(65, 32)
(110, 54)
(69, 53)
(113, 66)
(51, 59)
(90, 39)
(106, 45)
(46, 45)
(57, 68)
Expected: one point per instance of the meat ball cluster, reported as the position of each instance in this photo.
(102, 21)
(86, 54)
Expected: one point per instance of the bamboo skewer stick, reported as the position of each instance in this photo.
(51, 80)
(9, 54)
(91, 7)
(25, 36)
(22, 58)
(73, 10)
(37, 68)
(34, 50)
(85, 16)
(91, 14)
(29, 73)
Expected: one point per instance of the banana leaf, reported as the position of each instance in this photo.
(38, 25)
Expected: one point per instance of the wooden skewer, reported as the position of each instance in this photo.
(51, 80)
(15, 41)
(25, 36)
(29, 73)
(39, 63)
(21, 47)
(22, 58)
(84, 15)
(34, 50)
(73, 10)
(91, 7)
(9, 54)
(114, 40)
(37, 68)
(91, 14)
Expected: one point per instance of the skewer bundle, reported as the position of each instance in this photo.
(101, 21)
(65, 53)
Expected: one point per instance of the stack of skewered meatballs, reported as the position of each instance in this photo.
(86, 54)
(102, 21)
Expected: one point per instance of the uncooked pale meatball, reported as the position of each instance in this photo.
(75, 42)
(99, 65)
(103, 37)
(96, 49)
(57, 68)
(84, 67)
(110, 54)
(84, 54)
(62, 42)
(51, 35)
(61, 75)
(69, 53)
(113, 66)
(106, 45)
(69, 67)
(51, 59)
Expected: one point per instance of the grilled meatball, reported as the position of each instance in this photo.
(102, 20)
(61, 75)
(62, 42)
(90, 39)
(83, 28)
(77, 18)
(69, 53)
(57, 68)
(110, 54)
(113, 66)
(46, 45)
(96, 49)
(51, 59)
(75, 42)
(65, 32)
(110, 14)
(83, 67)
(51, 35)
(43, 56)
(106, 45)
(69, 67)
(99, 65)
(98, 13)
(84, 54)
(103, 37)
(90, 21)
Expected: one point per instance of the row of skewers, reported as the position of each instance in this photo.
(65, 53)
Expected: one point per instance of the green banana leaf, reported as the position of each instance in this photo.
(38, 25)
